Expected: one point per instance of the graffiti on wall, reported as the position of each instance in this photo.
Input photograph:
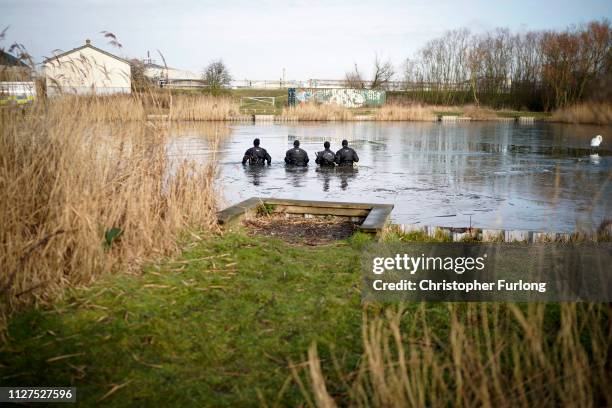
(349, 98)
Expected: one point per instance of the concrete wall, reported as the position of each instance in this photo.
(87, 71)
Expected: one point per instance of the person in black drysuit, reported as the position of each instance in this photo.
(326, 157)
(296, 156)
(346, 156)
(256, 155)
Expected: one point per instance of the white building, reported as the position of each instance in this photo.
(87, 70)
(157, 72)
(172, 77)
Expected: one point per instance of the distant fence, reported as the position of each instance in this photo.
(349, 98)
(309, 83)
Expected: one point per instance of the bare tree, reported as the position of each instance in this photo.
(383, 74)
(217, 75)
(353, 79)
(475, 57)
(412, 75)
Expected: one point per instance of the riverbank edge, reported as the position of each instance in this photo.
(357, 118)
(523, 120)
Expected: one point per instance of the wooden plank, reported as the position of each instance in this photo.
(312, 203)
(237, 211)
(377, 219)
(296, 209)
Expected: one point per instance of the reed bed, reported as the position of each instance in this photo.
(203, 107)
(585, 113)
(136, 107)
(415, 112)
(112, 108)
(478, 354)
(318, 112)
(82, 197)
(484, 112)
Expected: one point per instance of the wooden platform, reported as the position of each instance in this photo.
(373, 217)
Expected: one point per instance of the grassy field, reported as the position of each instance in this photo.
(249, 106)
(234, 321)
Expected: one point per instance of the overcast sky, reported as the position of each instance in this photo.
(257, 39)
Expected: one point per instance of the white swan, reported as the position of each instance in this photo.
(596, 141)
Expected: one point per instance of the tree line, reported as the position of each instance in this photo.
(538, 70)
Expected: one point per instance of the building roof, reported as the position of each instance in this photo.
(86, 45)
(10, 60)
(154, 70)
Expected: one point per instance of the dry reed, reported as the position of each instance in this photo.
(318, 112)
(486, 355)
(481, 112)
(115, 108)
(586, 113)
(67, 178)
(202, 107)
(126, 108)
(405, 113)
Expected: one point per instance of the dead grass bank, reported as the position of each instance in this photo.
(318, 112)
(202, 107)
(405, 113)
(585, 113)
(128, 108)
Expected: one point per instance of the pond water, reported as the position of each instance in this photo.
(540, 177)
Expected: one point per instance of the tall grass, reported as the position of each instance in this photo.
(318, 112)
(586, 113)
(136, 107)
(479, 354)
(415, 112)
(82, 197)
(203, 107)
(115, 108)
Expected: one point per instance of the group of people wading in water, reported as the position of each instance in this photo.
(297, 156)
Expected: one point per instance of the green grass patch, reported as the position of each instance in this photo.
(217, 326)
(249, 106)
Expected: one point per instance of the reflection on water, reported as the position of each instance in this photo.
(296, 175)
(494, 175)
(343, 175)
(254, 174)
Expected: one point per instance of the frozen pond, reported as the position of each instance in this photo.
(491, 175)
